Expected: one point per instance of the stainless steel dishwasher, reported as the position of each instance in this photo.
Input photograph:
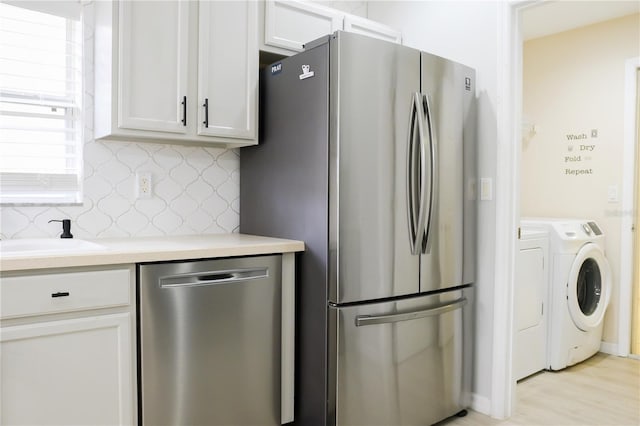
(209, 342)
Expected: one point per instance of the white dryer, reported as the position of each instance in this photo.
(579, 289)
(530, 305)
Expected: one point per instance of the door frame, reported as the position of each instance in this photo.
(509, 128)
(628, 204)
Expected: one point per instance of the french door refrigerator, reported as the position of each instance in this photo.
(367, 154)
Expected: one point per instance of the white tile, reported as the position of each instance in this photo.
(133, 222)
(199, 221)
(151, 207)
(214, 175)
(228, 221)
(133, 156)
(184, 174)
(215, 205)
(199, 190)
(96, 187)
(168, 158)
(229, 190)
(167, 221)
(166, 188)
(95, 222)
(184, 205)
(114, 171)
(12, 221)
(115, 204)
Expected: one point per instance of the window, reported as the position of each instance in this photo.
(40, 102)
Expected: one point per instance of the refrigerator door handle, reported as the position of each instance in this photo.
(433, 179)
(418, 110)
(362, 320)
(212, 278)
(412, 215)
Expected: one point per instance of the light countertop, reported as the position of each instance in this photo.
(150, 249)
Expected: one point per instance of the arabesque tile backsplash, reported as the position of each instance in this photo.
(195, 190)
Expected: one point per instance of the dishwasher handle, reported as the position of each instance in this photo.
(207, 278)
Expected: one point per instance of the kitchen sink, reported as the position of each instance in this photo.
(46, 245)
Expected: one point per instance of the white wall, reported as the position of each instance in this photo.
(465, 32)
(573, 83)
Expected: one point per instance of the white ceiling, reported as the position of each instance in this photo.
(552, 17)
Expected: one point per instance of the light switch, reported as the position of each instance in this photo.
(486, 189)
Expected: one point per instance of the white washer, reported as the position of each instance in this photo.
(530, 306)
(579, 289)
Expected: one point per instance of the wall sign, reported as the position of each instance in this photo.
(580, 147)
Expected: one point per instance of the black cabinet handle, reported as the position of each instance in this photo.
(60, 294)
(206, 112)
(184, 110)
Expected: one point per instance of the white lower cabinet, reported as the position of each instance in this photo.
(73, 367)
(71, 372)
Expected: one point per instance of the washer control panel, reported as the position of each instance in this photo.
(577, 229)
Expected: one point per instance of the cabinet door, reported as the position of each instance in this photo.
(68, 372)
(153, 65)
(228, 69)
(355, 24)
(290, 24)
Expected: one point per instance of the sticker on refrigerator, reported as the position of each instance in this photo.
(306, 72)
(276, 68)
(467, 83)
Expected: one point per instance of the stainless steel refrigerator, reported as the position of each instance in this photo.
(367, 154)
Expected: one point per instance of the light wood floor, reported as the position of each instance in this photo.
(603, 390)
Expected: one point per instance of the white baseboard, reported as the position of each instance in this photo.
(480, 404)
(609, 348)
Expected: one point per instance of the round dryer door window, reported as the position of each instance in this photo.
(589, 287)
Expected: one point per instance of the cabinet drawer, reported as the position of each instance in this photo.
(63, 292)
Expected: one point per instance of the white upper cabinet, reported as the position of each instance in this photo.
(153, 58)
(288, 25)
(358, 25)
(227, 69)
(162, 65)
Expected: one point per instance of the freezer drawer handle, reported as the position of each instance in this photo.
(362, 320)
(213, 277)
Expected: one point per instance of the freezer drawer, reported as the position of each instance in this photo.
(209, 342)
(401, 363)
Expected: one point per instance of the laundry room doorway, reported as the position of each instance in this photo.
(573, 145)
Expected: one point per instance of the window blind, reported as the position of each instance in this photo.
(40, 103)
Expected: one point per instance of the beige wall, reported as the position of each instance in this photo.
(573, 83)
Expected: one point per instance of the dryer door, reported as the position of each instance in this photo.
(589, 287)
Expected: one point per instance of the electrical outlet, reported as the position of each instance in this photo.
(143, 185)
